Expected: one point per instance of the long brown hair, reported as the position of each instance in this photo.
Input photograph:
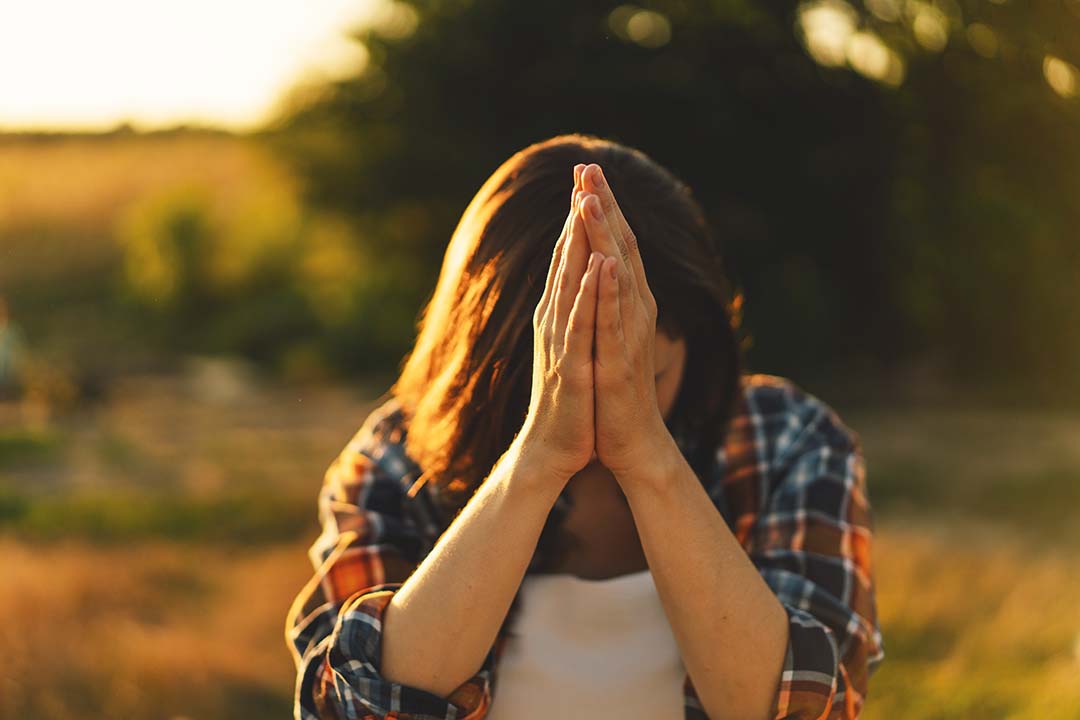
(465, 386)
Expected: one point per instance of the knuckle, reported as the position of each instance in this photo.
(568, 283)
(568, 374)
(573, 327)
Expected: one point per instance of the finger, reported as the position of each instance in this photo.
(578, 169)
(609, 331)
(602, 238)
(557, 255)
(593, 180)
(582, 324)
(575, 255)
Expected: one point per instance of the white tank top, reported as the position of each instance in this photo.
(589, 649)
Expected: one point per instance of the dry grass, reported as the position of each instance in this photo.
(63, 197)
(157, 631)
(979, 600)
(977, 622)
(978, 511)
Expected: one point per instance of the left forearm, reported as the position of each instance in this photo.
(731, 629)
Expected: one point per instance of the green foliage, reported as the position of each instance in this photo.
(118, 516)
(20, 447)
(260, 277)
(869, 224)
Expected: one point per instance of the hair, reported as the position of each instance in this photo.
(465, 386)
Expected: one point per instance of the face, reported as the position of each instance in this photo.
(670, 362)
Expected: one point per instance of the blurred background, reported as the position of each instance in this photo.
(218, 222)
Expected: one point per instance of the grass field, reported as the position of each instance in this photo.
(153, 535)
(180, 614)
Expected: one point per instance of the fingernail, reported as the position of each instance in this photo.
(611, 268)
(598, 176)
(594, 208)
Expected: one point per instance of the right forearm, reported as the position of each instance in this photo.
(442, 622)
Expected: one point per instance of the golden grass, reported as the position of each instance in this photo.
(979, 511)
(81, 181)
(977, 624)
(976, 565)
(62, 198)
(155, 631)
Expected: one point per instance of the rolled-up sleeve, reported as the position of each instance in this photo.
(811, 542)
(368, 547)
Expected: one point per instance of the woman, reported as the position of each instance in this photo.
(573, 503)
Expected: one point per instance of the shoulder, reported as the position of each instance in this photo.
(383, 425)
(784, 420)
(788, 454)
(377, 448)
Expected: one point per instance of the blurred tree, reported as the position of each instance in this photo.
(892, 182)
(208, 280)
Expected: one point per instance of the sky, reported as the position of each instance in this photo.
(92, 64)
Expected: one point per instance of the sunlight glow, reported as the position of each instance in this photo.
(887, 10)
(931, 27)
(829, 31)
(982, 39)
(827, 26)
(1061, 76)
(646, 28)
(871, 57)
(68, 65)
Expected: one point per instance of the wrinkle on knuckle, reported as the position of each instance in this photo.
(547, 333)
(568, 375)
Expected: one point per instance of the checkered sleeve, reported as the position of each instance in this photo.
(368, 547)
(811, 543)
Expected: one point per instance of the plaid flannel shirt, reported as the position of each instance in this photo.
(789, 480)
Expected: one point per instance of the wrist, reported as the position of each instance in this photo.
(535, 464)
(655, 470)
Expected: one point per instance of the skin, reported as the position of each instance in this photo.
(603, 381)
(730, 627)
(443, 620)
(599, 534)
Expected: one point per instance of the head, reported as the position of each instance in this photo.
(465, 386)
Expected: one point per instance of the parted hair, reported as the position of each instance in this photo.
(465, 386)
